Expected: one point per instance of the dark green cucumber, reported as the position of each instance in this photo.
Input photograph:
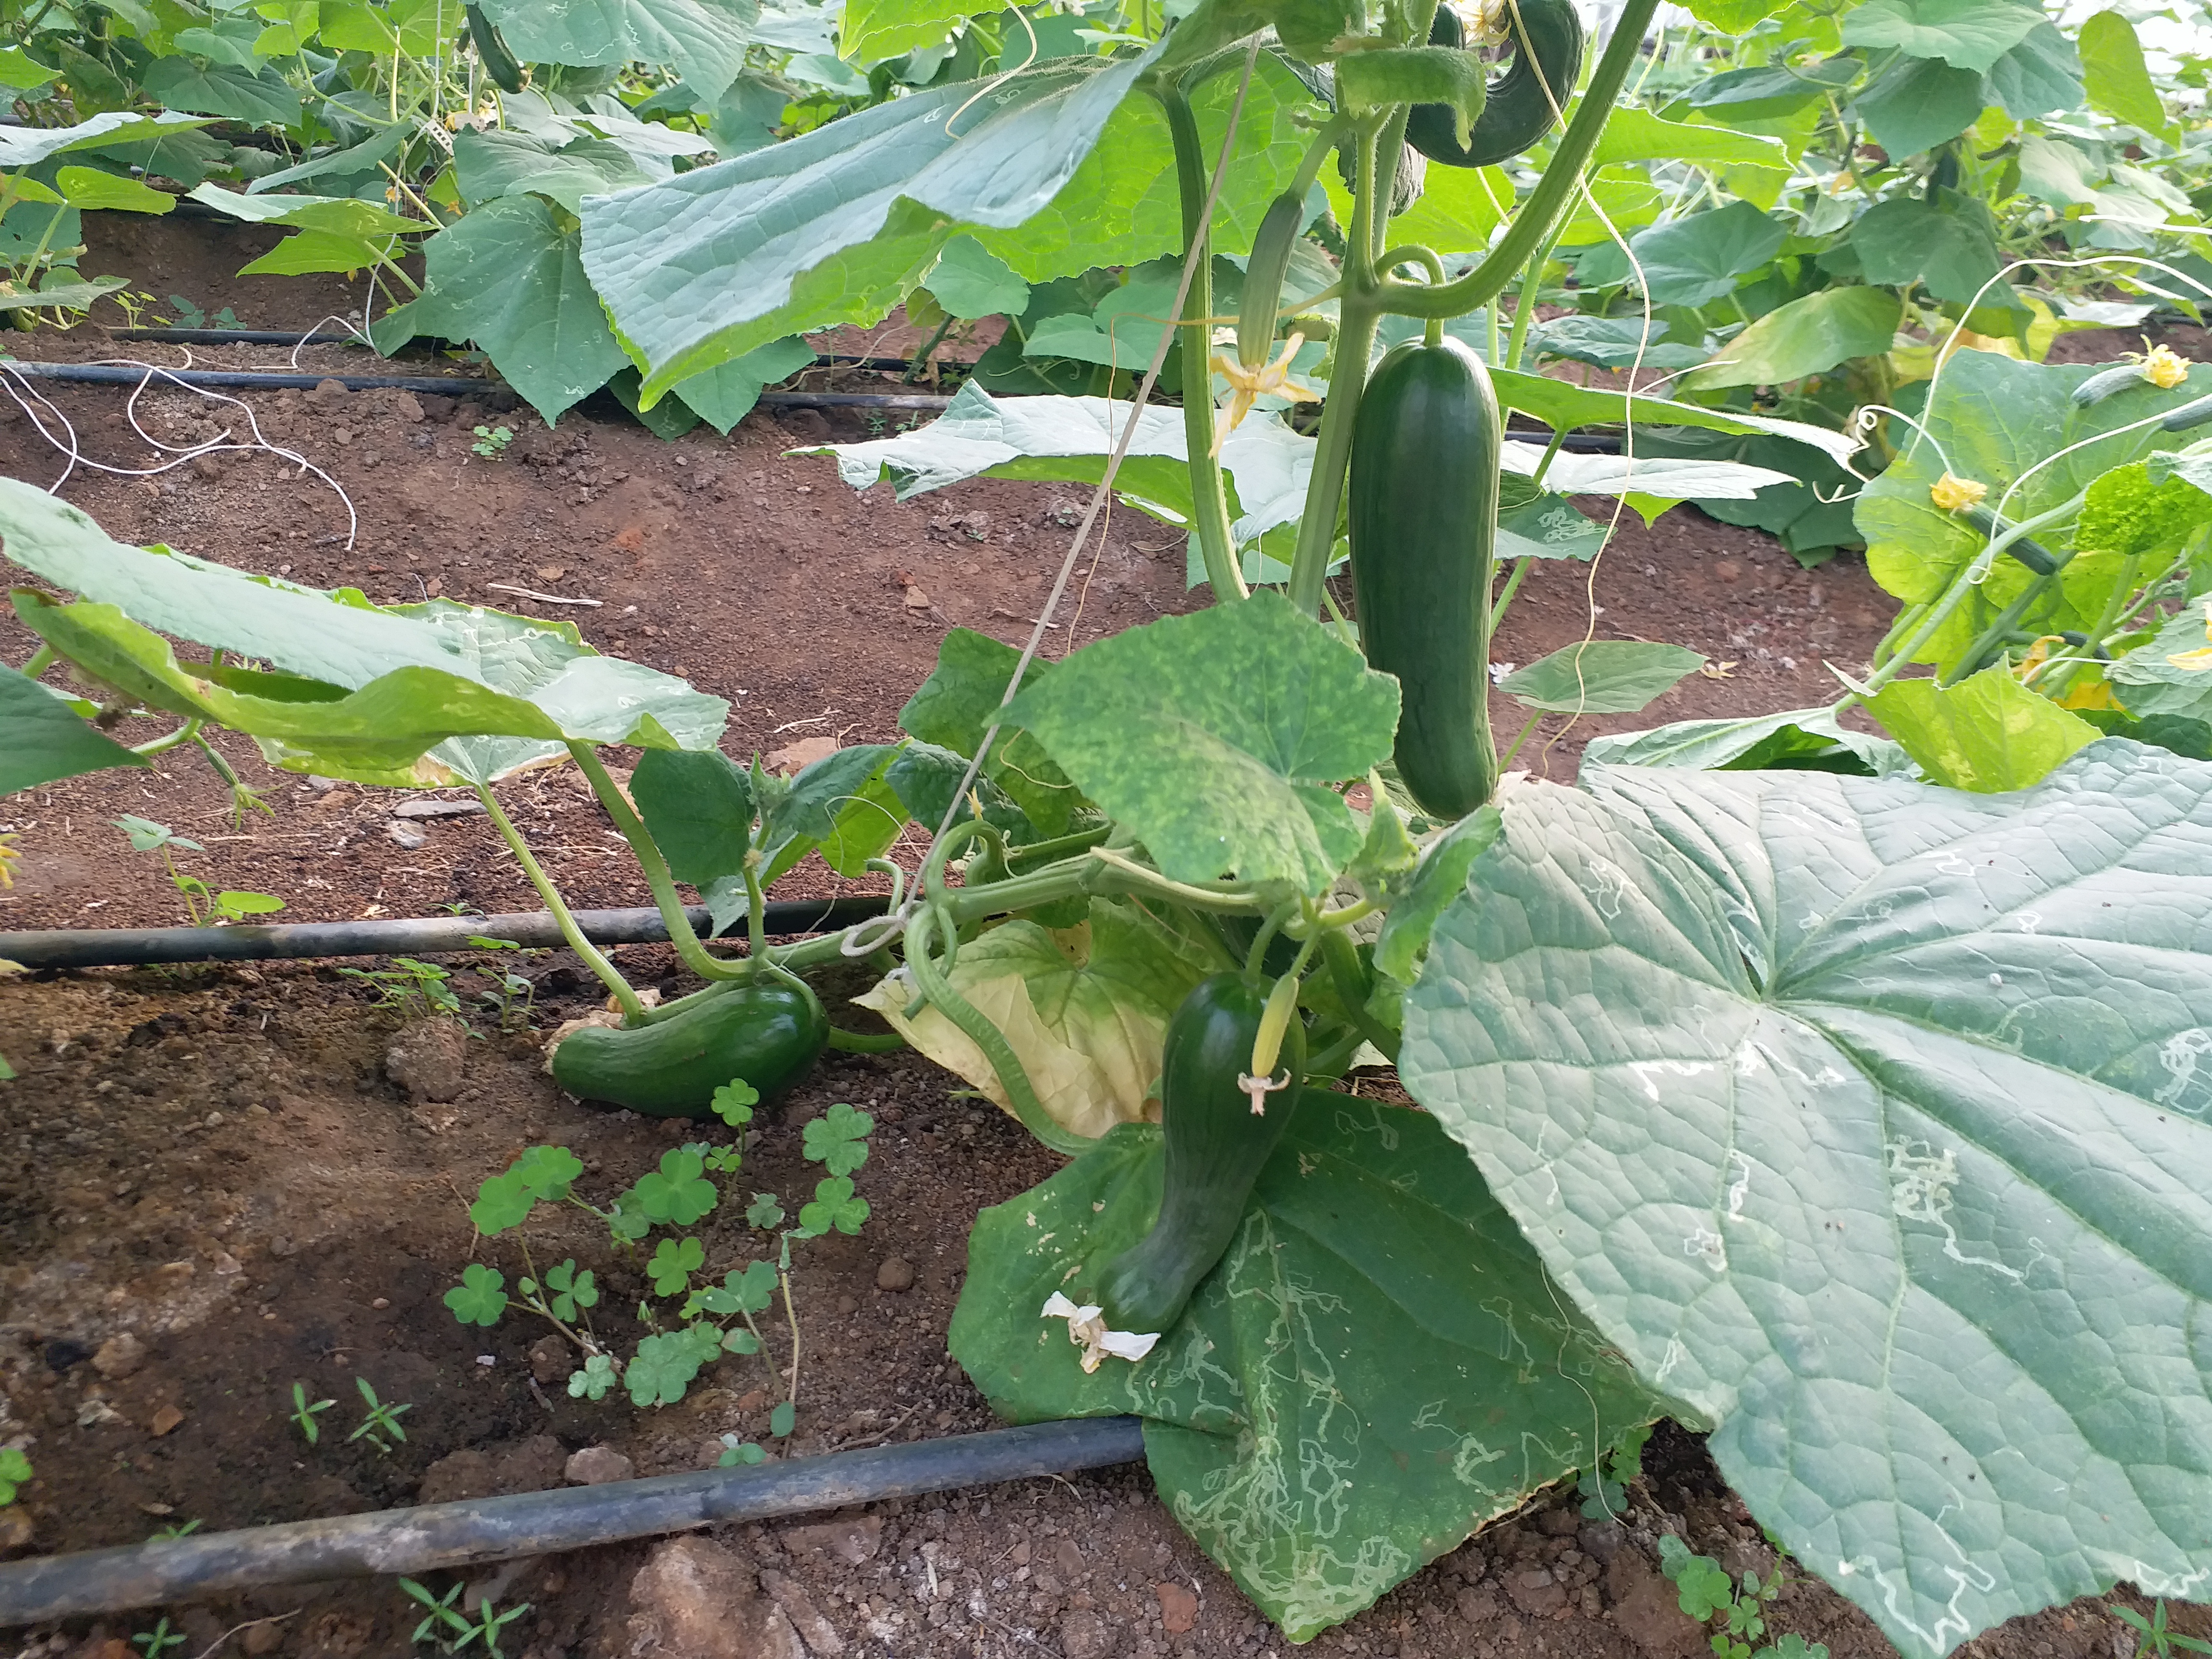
(2026, 549)
(1424, 519)
(498, 62)
(2194, 413)
(1523, 104)
(1214, 1147)
(768, 1031)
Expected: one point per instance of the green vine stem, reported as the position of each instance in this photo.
(1210, 506)
(2063, 674)
(1524, 302)
(1341, 957)
(41, 660)
(1562, 177)
(1967, 577)
(658, 879)
(626, 999)
(1013, 1077)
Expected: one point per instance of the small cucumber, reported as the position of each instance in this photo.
(767, 1031)
(2029, 551)
(2194, 414)
(1213, 1146)
(1524, 103)
(1264, 274)
(2106, 382)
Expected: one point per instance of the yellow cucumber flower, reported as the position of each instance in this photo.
(2164, 368)
(1248, 386)
(1952, 493)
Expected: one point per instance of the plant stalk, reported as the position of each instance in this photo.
(1536, 221)
(658, 877)
(1210, 506)
(625, 998)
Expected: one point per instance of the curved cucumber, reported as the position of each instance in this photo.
(1423, 517)
(1524, 103)
(1213, 1146)
(2189, 414)
(767, 1031)
(2029, 551)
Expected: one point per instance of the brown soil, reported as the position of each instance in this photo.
(218, 1164)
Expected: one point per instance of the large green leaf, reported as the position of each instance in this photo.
(1800, 739)
(2041, 76)
(1987, 733)
(375, 735)
(491, 164)
(1374, 1369)
(699, 810)
(1946, 242)
(1562, 404)
(44, 740)
(1601, 677)
(1213, 739)
(342, 640)
(1868, 1119)
(1691, 260)
(2114, 75)
(1919, 103)
(237, 95)
(1994, 418)
(839, 224)
(507, 277)
(873, 30)
(1808, 336)
(1068, 439)
(2172, 673)
(24, 147)
(1637, 134)
(956, 704)
(704, 40)
(1969, 33)
(1085, 1009)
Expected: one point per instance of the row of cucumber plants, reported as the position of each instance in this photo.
(1824, 1093)
(1804, 193)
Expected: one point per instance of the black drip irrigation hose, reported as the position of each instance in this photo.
(133, 947)
(442, 1536)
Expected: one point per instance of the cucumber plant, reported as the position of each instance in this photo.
(1855, 1119)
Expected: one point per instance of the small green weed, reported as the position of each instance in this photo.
(304, 1414)
(158, 1640)
(696, 1314)
(382, 1420)
(202, 903)
(449, 1629)
(175, 1530)
(416, 989)
(14, 1473)
(1605, 1489)
(1706, 1592)
(190, 316)
(2153, 1639)
(492, 441)
(511, 994)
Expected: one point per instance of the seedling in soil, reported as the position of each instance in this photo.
(416, 989)
(1706, 1592)
(492, 441)
(381, 1421)
(158, 1640)
(191, 316)
(712, 1318)
(14, 1473)
(1604, 1490)
(175, 1530)
(449, 1629)
(304, 1414)
(202, 903)
(2153, 1640)
(512, 993)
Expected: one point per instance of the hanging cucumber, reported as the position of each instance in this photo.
(1424, 520)
(498, 62)
(1214, 1140)
(1524, 103)
(1265, 273)
(768, 1031)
